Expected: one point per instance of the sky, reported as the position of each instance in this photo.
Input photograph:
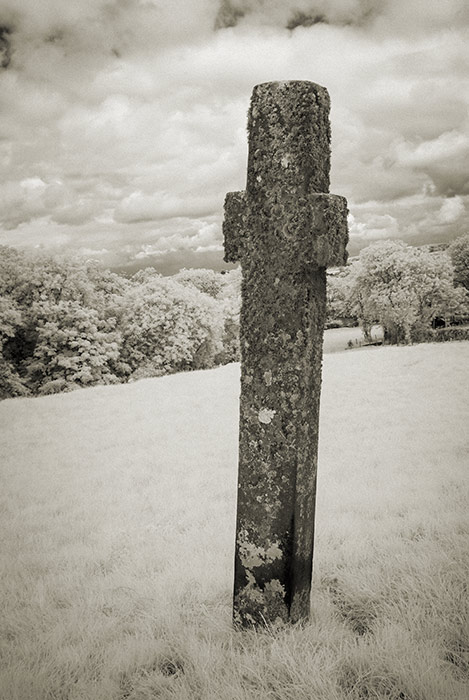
(123, 122)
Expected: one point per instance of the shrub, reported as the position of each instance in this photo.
(451, 333)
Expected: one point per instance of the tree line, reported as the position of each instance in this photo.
(67, 323)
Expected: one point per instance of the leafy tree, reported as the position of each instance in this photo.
(39, 277)
(459, 253)
(74, 348)
(230, 298)
(14, 271)
(10, 318)
(50, 295)
(10, 321)
(206, 281)
(338, 297)
(168, 327)
(16, 334)
(403, 288)
(225, 288)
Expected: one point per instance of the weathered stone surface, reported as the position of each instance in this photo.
(235, 223)
(285, 229)
(289, 139)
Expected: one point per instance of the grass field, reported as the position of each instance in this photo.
(117, 508)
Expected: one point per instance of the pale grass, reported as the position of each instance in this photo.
(117, 508)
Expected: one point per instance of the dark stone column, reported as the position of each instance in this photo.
(285, 230)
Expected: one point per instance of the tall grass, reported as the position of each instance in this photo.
(117, 509)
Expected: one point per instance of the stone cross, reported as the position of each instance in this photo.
(285, 229)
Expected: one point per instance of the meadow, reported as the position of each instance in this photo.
(117, 513)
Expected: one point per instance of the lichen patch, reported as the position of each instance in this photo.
(266, 415)
(253, 556)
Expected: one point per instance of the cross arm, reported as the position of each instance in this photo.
(329, 235)
(234, 225)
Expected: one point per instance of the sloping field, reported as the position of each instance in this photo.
(117, 508)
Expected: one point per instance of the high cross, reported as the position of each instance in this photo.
(285, 230)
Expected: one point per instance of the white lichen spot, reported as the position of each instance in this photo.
(277, 281)
(252, 590)
(274, 587)
(259, 178)
(268, 377)
(285, 162)
(273, 552)
(252, 556)
(265, 415)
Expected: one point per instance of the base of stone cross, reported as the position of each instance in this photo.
(285, 229)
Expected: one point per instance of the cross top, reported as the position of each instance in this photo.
(285, 206)
(289, 136)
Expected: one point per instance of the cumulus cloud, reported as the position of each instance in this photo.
(409, 16)
(33, 198)
(102, 27)
(451, 210)
(124, 121)
(419, 219)
(22, 201)
(140, 207)
(292, 14)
